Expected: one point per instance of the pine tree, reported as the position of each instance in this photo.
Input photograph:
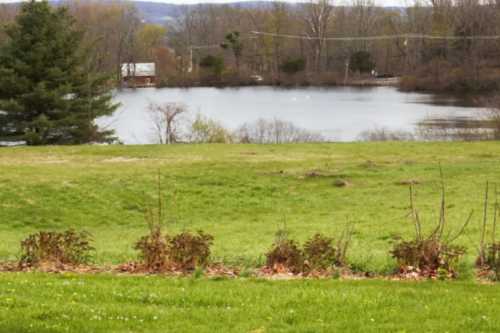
(48, 92)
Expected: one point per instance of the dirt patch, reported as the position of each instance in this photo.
(9, 267)
(274, 173)
(51, 267)
(320, 174)
(213, 270)
(281, 272)
(341, 183)
(407, 182)
(370, 165)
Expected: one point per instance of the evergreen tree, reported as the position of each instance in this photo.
(48, 93)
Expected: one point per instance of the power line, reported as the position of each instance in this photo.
(381, 37)
(212, 46)
(198, 47)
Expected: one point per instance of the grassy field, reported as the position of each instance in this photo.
(66, 303)
(243, 193)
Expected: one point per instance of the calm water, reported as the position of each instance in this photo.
(340, 114)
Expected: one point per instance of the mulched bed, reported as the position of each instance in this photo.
(218, 270)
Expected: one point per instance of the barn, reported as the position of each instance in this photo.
(138, 75)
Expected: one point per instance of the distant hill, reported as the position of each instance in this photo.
(154, 12)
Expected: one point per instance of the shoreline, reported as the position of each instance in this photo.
(377, 82)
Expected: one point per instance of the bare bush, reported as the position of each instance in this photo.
(319, 254)
(67, 248)
(492, 262)
(188, 251)
(428, 257)
(183, 252)
(489, 252)
(433, 255)
(275, 132)
(153, 249)
(166, 121)
(159, 252)
(285, 255)
(323, 253)
(384, 134)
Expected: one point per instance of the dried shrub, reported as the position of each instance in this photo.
(428, 256)
(285, 255)
(492, 262)
(154, 250)
(489, 253)
(433, 255)
(320, 253)
(67, 248)
(185, 251)
(189, 251)
(160, 252)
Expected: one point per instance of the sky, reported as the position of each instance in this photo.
(377, 2)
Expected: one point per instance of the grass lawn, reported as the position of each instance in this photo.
(67, 303)
(242, 193)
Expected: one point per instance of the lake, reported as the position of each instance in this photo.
(339, 114)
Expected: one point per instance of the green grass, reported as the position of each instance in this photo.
(41, 303)
(242, 193)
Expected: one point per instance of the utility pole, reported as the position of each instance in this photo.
(190, 68)
(346, 76)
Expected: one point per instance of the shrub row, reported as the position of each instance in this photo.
(433, 255)
(186, 252)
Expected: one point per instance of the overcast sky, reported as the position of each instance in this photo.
(377, 2)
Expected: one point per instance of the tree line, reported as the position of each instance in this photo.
(214, 44)
(297, 43)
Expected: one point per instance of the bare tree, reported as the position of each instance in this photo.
(110, 30)
(279, 18)
(317, 18)
(166, 121)
(7, 14)
(364, 18)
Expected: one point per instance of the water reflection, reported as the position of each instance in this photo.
(338, 114)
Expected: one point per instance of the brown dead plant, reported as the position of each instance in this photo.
(433, 255)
